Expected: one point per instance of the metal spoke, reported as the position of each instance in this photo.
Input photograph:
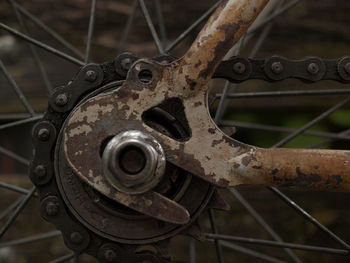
(91, 30)
(151, 26)
(20, 122)
(311, 123)
(15, 188)
(33, 51)
(14, 86)
(31, 239)
(18, 209)
(63, 259)
(128, 26)
(42, 45)
(271, 128)
(269, 94)
(48, 30)
(306, 215)
(274, 16)
(192, 251)
(190, 29)
(276, 244)
(14, 156)
(215, 231)
(10, 208)
(161, 22)
(262, 222)
(343, 133)
(250, 252)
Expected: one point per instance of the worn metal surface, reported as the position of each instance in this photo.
(109, 114)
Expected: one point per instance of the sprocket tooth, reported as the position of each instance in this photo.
(229, 131)
(218, 202)
(194, 231)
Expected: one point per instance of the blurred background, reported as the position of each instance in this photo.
(304, 28)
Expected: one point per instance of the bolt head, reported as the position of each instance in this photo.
(277, 67)
(313, 68)
(76, 238)
(347, 68)
(43, 134)
(126, 63)
(110, 255)
(90, 75)
(52, 209)
(40, 171)
(61, 100)
(239, 68)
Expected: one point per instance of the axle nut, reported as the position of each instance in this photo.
(133, 162)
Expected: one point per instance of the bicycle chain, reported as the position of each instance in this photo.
(311, 69)
(93, 76)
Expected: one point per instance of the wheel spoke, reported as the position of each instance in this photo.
(17, 211)
(14, 86)
(20, 122)
(276, 244)
(91, 30)
(15, 188)
(306, 215)
(31, 239)
(151, 26)
(42, 45)
(191, 28)
(161, 22)
(49, 30)
(311, 123)
(269, 94)
(128, 26)
(271, 128)
(65, 258)
(10, 208)
(215, 231)
(192, 251)
(14, 156)
(33, 51)
(258, 218)
(274, 16)
(250, 252)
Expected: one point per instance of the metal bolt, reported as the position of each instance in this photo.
(347, 68)
(90, 75)
(52, 209)
(40, 171)
(126, 63)
(277, 67)
(76, 238)
(43, 134)
(110, 255)
(61, 100)
(239, 68)
(313, 68)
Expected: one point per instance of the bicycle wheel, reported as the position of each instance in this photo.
(151, 237)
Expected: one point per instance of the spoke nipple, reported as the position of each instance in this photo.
(52, 209)
(239, 68)
(43, 134)
(110, 255)
(90, 75)
(313, 68)
(61, 100)
(126, 63)
(40, 171)
(347, 68)
(76, 238)
(277, 67)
